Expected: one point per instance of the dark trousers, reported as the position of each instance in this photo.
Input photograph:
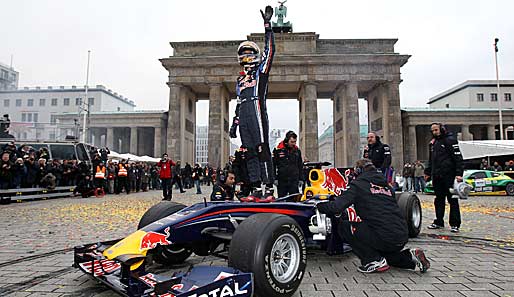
(254, 130)
(166, 188)
(176, 180)
(369, 247)
(122, 183)
(442, 193)
(287, 187)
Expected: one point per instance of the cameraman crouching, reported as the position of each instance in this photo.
(375, 228)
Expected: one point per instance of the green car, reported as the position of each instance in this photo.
(484, 182)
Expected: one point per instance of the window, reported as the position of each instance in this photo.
(119, 108)
(78, 101)
(54, 101)
(447, 105)
(508, 97)
(494, 97)
(478, 175)
(6, 103)
(91, 101)
(66, 102)
(480, 97)
(36, 117)
(53, 120)
(42, 102)
(23, 117)
(30, 102)
(29, 117)
(51, 136)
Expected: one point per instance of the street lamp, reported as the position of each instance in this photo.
(498, 86)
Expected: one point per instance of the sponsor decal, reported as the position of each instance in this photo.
(223, 275)
(148, 279)
(379, 190)
(234, 289)
(151, 239)
(335, 181)
(100, 267)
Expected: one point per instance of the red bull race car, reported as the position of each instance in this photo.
(265, 245)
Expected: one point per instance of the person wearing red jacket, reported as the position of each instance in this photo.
(165, 175)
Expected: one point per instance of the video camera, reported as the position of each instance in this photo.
(5, 123)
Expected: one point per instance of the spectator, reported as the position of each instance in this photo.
(408, 177)
(154, 175)
(145, 177)
(111, 175)
(419, 178)
(132, 177)
(444, 167)
(19, 172)
(104, 153)
(32, 173)
(497, 167)
(176, 177)
(197, 175)
(510, 166)
(5, 171)
(56, 170)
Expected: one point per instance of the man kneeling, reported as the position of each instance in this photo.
(374, 227)
(223, 190)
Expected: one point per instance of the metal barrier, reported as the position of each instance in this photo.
(9, 195)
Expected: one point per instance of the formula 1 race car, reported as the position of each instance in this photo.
(484, 182)
(265, 244)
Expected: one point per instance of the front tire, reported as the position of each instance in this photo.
(410, 207)
(272, 246)
(167, 254)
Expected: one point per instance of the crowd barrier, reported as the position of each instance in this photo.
(18, 195)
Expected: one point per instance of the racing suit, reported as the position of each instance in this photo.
(380, 155)
(222, 192)
(444, 164)
(373, 225)
(252, 116)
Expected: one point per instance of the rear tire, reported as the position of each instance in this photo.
(272, 247)
(168, 254)
(509, 188)
(410, 207)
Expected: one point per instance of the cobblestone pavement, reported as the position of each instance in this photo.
(36, 256)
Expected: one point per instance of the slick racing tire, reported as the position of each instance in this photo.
(168, 254)
(410, 207)
(509, 188)
(272, 247)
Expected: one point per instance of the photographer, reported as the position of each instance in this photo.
(5, 171)
(165, 175)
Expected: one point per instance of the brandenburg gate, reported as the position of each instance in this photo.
(305, 68)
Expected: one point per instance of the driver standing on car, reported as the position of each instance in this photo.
(373, 224)
(223, 190)
(251, 112)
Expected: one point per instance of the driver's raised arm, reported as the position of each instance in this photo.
(338, 205)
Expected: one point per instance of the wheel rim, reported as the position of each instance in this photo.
(416, 215)
(510, 189)
(285, 258)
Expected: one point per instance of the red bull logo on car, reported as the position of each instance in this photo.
(151, 239)
(335, 181)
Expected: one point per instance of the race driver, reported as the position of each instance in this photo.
(251, 114)
(373, 224)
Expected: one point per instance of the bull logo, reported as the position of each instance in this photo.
(151, 239)
(335, 181)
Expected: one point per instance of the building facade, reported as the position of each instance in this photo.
(34, 111)
(8, 78)
(202, 145)
(475, 94)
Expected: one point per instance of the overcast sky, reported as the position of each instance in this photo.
(450, 41)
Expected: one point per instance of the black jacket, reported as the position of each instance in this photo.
(222, 193)
(380, 154)
(445, 159)
(374, 204)
(288, 163)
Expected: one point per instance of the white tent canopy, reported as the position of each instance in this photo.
(115, 156)
(486, 148)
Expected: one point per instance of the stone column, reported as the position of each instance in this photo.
(393, 130)
(309, 114)
(97, 137)
(109, 138)
(157, 142)
(466, 135)
(133, 140)
(412, 144)
(173, 139)
(339, 147)
(491, 133)
(215, 125)
(351, 129)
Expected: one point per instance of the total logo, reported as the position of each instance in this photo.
(226, 291)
